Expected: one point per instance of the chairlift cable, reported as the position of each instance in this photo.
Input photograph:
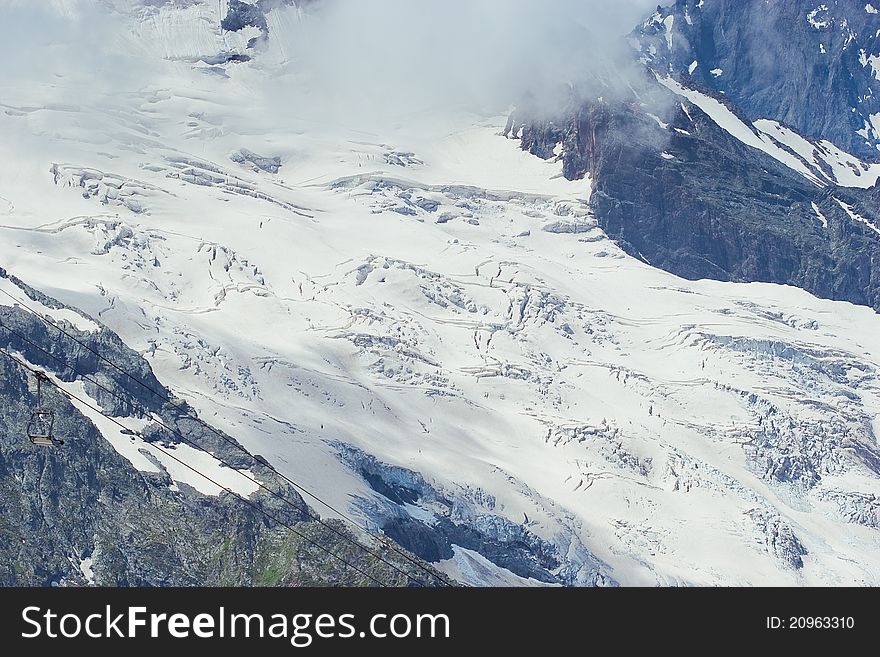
(302, 489)
(304, 509)
(206, 477)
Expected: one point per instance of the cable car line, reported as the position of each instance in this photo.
(168, 453)
(382, 539)
(282, 498)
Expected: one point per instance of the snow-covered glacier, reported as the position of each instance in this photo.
(424, 325)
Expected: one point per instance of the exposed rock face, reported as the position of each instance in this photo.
(712, 207)
(675, 189)
(242, 14)
(809, 64)
(247, 158)
(82, 514)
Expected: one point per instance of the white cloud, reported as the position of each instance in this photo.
(390, 58)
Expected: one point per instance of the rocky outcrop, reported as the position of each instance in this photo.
(674, 189)
(82, 514)
(808, 64)
(240, 15)
(256, 163)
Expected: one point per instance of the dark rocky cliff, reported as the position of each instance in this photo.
(673, 188)
(82, 513)
(801, 62)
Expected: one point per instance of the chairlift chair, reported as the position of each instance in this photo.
(42, 422)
